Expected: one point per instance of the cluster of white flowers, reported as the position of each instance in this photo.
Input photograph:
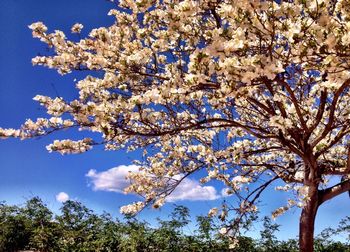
(246, 207)
(132, 208)
(212, 212)
(76, 28)
(5, 133)
(68, 146)
(38, 29)
(223, 231)
(279, 211)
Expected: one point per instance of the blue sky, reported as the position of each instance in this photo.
(27, 169)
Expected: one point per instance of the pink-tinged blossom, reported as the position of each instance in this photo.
(76, 28)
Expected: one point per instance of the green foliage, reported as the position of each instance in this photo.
(135, 236)
(268, 239)
(78, 229)
(330, 246)
(324, 242)
(43, 231)
(13, 232)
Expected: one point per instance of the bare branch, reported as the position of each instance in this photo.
(333, 107)
(334, 191)
(323, 100)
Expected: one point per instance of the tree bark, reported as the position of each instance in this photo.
(307, 222)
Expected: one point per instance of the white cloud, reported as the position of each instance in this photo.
(190, 189)
(62, 197)
(113, 180)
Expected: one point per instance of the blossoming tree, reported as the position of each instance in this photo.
(251, 91)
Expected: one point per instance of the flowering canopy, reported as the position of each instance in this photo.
(252, 91)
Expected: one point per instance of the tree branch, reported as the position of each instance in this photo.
(295, 103)
(333, 107)
(333, 191)
(323, 100)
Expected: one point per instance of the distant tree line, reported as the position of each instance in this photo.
(33, 226)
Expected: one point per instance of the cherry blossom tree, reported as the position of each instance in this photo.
(250, 91)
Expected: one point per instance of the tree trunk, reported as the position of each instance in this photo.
(307, 222)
